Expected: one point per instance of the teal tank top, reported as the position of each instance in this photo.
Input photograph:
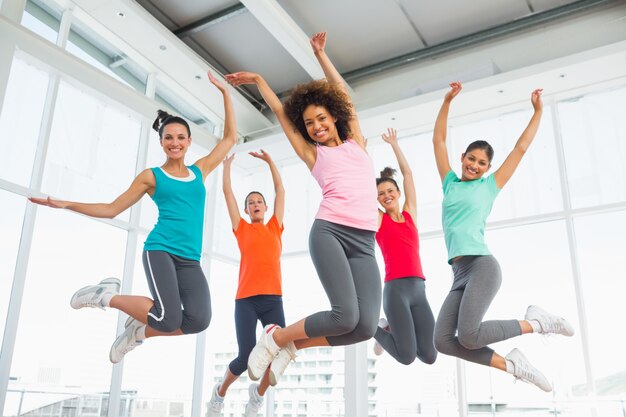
(181, 214)
(466, 205)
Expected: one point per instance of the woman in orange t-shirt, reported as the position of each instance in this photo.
(259, 292)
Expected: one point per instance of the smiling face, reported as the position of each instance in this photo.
(255, 207)
(320, 125)
(474, 164)
(175, 140)
(388, 196)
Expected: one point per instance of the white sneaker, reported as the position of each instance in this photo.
(281, 361)
(526, 372)
(91, 295)
(549, 322)
(263, 353)
(126, 341)
(378, 348)
(254, 403)
(216, 405)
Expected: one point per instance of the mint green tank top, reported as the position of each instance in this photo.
(180, 202)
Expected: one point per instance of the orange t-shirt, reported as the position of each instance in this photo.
(259, 270)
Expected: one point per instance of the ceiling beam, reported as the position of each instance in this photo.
(208, 21)
(283, 28)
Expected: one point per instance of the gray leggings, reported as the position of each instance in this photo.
(411, 322)
(346, 265)
(476, 282)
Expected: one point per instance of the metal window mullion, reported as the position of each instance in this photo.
(26, 237)
(355, 374)
(571, 238)
(200, 356)
(117, 372)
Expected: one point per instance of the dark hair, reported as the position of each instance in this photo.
(480, 144)
(319, 93)
(386, 175)
(164, 118)
(245, 202)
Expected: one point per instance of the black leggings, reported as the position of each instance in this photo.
(180, 292)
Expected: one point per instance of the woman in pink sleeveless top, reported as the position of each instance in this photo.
(322, 127)
(407, 332)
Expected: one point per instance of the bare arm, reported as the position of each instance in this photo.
(410, 199)
(318, 43)
(208, 163)
(510, 164)
(441, 131)
(229, 196)
(279, 190)
(305, 150)
(143, 183)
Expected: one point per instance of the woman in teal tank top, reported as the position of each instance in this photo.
(181, 302)
(460, 330)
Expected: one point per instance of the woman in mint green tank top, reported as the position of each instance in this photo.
(460, 330)
(181, 301)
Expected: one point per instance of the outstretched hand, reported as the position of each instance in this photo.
(390, 137)
(216, 82)
(455, 88)
(243, 77)
(229, 160)
(535, 99)
(318, 41)
(47, 202)
(261, 155)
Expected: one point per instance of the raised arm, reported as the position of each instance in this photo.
(208, 163)
(508, 167)
(305, 150)
(410, 199)
(441, 131)
(279, 190)
(318, 43)
(142, 184)
(229, 196)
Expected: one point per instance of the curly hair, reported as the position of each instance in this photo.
(319, 93)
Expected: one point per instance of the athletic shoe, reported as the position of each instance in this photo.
(216, 405)
(263, 353)
(378, 348)
(281, 361)
(254, 403)
(126, 341)
(522, 369)
(91, 295)
(549, 322)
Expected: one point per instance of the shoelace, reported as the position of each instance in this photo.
(553, 326)
(216, 405)
(94, 304)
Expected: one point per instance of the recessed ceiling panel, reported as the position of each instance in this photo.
(181, 13)
(544, 5)
(360, 33)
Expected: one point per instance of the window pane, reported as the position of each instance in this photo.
(11, 226)
(33, 23)
(93, 149)
(534, 189)
(593, 129)
(21, 115)
(72, 347)
(601, 240)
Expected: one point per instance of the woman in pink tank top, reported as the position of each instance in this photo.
(322, 127)
(408, 331)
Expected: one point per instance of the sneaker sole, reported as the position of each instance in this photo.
(106, 281)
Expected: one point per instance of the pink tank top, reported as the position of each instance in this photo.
(346, 175)
(400, 246)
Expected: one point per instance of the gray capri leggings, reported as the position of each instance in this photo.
(180, 292)
(346, 265)
(476, 282)
(411, 322)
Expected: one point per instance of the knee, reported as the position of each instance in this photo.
(196, 324)
(406, 359)
(443, 343)
(364, 331)
(430, 357)
(468, 341)
(169, 324)
(346, 320)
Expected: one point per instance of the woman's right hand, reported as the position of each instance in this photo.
(243, 77)
(48, 202)
(390, 137)
(455, 88)
(318, 42)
